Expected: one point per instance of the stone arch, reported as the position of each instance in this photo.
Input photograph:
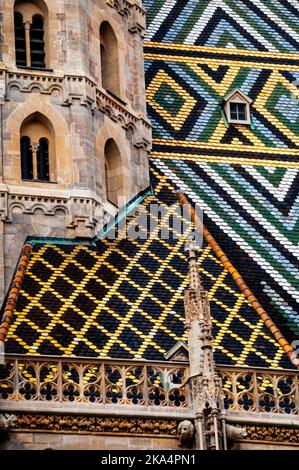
(16, 207)
(120, 164)
(61, 209)
(109, 59)
(14, 90)
(38, 129)
(109, 111)
(61, 169)
(36, 88)
(32, 46)
(38, 208)
(54, 88)
(113, 179)
(121, 119)
(104, 13)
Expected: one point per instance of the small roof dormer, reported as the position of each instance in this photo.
(237, 107)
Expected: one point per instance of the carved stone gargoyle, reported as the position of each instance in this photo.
(186, 433)
(234, 433)
(7, 422)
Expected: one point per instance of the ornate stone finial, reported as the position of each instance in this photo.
(191, 249)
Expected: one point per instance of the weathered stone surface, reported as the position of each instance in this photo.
(42, 441)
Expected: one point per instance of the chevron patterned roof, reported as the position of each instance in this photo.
(244, 177)
(257, 25)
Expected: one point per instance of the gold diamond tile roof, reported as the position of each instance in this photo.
(123, 298)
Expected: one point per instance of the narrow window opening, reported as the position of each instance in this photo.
(43, 173)
(109, 59)
(26, 159)
(31, 33)
(113, 176)
(37, 43)
(20, 40)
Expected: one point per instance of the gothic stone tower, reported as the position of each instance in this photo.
(74, 132)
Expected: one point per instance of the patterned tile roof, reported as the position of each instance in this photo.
(185, 92)
(123, 299)
(256, 25)
(253, 211)
(245, 178)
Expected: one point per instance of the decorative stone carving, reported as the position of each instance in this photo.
(96, 424)
(233, 432)
(205, 382)
(273, 434)
(71, 88)
(7, 421)
(186, 432)
(133, 11)
(280, 396)
(94, 383)
(208, 392)
(86, 212)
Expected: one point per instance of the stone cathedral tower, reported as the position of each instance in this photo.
(74, 132)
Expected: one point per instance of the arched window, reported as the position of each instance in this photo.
(29, 21)
(109, 59)
(26, 158)
(37, 149)
(20, 40)
(113, 173)
(37, 43)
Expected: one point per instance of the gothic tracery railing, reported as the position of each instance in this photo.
(102, 383)
(94, 381)
(260, 390)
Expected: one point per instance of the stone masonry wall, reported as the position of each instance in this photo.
(83, 115)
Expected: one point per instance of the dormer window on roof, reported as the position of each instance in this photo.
(237, 107)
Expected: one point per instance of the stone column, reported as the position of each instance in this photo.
(27, 25)
(34, 148)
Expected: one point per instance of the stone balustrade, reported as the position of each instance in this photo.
(159, 388)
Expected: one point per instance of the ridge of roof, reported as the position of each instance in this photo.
(14, 291)
(279, 337)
